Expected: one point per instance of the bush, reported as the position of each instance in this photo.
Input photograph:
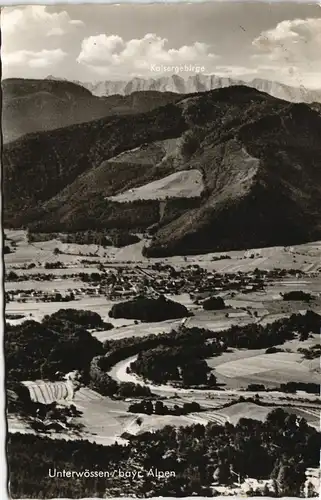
(255, 387)
(54, 265)
(129, 389)
(272, 350)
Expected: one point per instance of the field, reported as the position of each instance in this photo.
(302, 257)
(58, 285)
(183, 184)
(306, 257)
(237, 411)
(147, 154)
(244, 410)
(240, 367)
(268, 369)
(139, 330)
(39, 310)
(48, 392)
(102, 420)
(152, 423)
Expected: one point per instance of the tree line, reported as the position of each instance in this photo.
(150, 407)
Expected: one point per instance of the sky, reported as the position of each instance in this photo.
(244, 40)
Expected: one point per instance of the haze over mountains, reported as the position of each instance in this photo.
(259, 157)
(201, 83)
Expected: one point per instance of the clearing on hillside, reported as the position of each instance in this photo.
(183, 184)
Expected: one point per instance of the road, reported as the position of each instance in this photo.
(119, 373)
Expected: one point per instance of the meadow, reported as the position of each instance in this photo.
(238, 368)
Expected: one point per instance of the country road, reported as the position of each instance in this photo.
(301, 399)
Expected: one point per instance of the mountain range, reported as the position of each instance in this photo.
(38, 105)
(259, 159)
(201, 83)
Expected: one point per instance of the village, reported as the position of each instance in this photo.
(125, 281)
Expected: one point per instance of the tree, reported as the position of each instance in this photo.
(285, 478)
(148, 407)
(213, 304)
(195, 373)
(277, 417)
(190, 142)
(304, 336)
(276, 488)
(159, 408)
(212, 381)
(192, 406)
(83, 317)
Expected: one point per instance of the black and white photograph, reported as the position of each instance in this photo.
(161, 242)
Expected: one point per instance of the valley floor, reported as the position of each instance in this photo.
(104, 420)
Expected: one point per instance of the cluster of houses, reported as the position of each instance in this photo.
(166, 280)
(127, 281)
(23, 296)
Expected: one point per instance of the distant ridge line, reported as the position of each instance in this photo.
(198, 83)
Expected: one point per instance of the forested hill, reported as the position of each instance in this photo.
(38, 105)
(260, 160)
